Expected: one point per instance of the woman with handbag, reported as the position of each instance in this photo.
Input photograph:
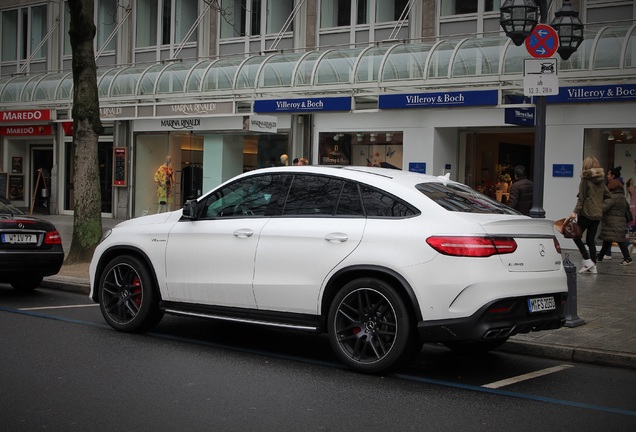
(589, 210)
(614, 224)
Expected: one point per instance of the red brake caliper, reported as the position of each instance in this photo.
(137, 291)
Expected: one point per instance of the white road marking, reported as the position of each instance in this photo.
(525, 377)
(59, 307)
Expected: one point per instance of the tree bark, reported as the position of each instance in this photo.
(87, 224)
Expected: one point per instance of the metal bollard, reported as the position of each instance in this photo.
(571, 317)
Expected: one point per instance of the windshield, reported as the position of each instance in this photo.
(7, 208)
(460, 198)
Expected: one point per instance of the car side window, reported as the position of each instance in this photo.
(383, 205)
(350, 202)
(312, 195)
(245, 198)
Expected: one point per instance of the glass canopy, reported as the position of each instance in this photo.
(606, 51)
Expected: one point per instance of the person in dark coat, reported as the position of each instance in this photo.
(588, 211)
(521, 191)
(614, 224)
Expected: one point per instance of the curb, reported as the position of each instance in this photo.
(67, 283)
(571, 354)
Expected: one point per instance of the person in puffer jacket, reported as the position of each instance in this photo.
(614, 224)
(589, 210)
(521, 192)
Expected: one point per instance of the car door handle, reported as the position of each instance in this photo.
(337, 237)
(243, 233)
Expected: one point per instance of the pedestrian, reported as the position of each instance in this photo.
(614, 221)
(521, 191)
(612, 173)
(588, 211)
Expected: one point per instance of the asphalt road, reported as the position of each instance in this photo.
(63, 369)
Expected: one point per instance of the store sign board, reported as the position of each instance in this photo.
(440, 99)
(519, 116)
(26, 130)
(194, 109)
(602, 93)
(417, 167)
(117, 112)
(562, 170)
(260, 123)
(22, 116)
(188, 124)
(302, 105)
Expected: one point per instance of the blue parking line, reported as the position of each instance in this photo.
(305, 360)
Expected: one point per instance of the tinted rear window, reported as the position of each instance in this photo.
(461, 198)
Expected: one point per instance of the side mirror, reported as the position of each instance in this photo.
(190, 209)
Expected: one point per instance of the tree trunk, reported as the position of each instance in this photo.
(87, 226)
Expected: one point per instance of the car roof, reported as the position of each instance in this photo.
(371, 175)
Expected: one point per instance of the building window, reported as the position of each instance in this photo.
(22, 31)
(339, 13)
(168, 21)
(9, 35)
(462, 7)
(106, 22)
(246, 17)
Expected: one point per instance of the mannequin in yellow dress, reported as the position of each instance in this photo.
(164, 177)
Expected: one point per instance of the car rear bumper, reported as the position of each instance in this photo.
(41, 263)
(496, 320)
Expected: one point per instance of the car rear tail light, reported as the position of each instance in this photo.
(557, 245)
(467, 246)
(52, 238)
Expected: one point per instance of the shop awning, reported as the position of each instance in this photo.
(607, 53)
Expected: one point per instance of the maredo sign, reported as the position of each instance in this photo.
(25, 116)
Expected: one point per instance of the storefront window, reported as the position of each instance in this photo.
(198, 162)
(616, 149)
(379, 149)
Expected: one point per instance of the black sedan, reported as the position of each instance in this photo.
(30, 248)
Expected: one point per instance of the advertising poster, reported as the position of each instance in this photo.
(16, 188)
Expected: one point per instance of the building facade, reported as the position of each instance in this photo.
(230, 86)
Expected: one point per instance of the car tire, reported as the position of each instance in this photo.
(476, 347)
(26, 283)
(128, 297)
(370, 327)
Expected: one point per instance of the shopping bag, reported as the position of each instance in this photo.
(568, 227)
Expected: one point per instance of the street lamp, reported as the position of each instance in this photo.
(518, 18)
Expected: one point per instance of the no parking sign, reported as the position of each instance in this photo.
(543, 41)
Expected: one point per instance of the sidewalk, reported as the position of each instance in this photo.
(606, 302)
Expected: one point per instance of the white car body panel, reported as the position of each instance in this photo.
(295, 254)
(197, 266)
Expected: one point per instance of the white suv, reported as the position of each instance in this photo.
(381, 260)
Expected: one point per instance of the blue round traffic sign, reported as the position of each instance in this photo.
(543, 41)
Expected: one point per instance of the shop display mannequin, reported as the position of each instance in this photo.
(164, 177)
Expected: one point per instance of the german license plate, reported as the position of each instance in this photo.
(19, 238)
(541, 304)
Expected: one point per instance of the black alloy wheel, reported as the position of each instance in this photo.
(127, 296)
(370, 327)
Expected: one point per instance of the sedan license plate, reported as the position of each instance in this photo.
(19, 238)
(541, 304)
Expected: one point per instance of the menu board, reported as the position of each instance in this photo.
(119, 166)
(3, 184)
(16, 188)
